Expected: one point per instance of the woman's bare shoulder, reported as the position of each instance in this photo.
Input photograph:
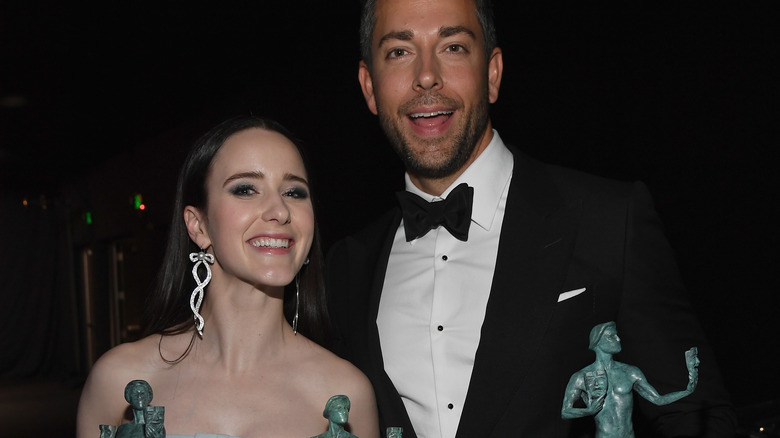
(102, 397)
(338, 370)
(336, 376)
(345, 378)
(138, 359)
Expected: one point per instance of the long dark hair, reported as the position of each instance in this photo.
(167, 311)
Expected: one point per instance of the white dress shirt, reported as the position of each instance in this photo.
(434, 298)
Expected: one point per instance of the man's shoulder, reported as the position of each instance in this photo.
(373, 232)
(570, 182)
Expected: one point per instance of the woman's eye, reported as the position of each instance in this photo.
(243, 190)
(297, 193)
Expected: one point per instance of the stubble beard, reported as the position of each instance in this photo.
(462, 141)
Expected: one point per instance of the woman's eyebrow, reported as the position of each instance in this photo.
(293, 177)
(254, 175)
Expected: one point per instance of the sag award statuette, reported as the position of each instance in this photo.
(394, 432)
(337, 413)
(147, 420)
(606, 386)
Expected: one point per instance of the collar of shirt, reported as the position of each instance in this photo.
(488, 174)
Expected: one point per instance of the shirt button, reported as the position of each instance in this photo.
(444, 257)
(450, 406)
(440, 328)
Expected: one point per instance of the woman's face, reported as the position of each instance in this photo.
(259, 219)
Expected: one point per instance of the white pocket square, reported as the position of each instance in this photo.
(572, 293)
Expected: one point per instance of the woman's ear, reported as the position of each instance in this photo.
(196, 227)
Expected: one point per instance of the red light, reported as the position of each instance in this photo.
(142, 207)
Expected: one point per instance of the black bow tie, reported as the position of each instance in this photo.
(421, 216)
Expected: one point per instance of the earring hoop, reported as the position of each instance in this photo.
(297, 301)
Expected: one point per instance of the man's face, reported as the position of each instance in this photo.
(431, 83)
(610, 341)
(139, 397)
(339, 413)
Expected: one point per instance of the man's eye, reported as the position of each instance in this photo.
(395, 53)
(455, 48)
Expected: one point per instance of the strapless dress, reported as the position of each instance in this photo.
(201, 435)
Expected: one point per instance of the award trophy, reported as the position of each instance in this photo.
(606, 386)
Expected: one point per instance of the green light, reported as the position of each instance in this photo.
(88, 217)
(137, 201)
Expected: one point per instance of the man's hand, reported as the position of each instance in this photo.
(692, 362)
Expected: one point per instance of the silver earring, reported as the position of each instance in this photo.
(196, 299)
(297, 301)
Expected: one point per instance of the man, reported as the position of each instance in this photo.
(473, 329)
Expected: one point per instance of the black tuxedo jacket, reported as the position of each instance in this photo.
(563, 230)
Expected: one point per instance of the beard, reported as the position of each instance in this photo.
(457, 146)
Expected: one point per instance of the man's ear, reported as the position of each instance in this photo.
(495, 71)
(196, 227)
(367, 85)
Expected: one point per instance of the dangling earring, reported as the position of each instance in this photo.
(297, 301)
(196, 299)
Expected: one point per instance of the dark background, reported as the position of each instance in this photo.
(99, 101)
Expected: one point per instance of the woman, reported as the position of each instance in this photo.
(224, 358)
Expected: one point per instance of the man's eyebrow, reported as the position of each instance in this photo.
(407, 35)
(448, 31)
(403, 35)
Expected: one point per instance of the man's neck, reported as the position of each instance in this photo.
(604, 360)
(435, 186)
(138, 416)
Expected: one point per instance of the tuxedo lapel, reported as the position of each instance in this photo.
(375, 254)
(381, 253)
(537, 234)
